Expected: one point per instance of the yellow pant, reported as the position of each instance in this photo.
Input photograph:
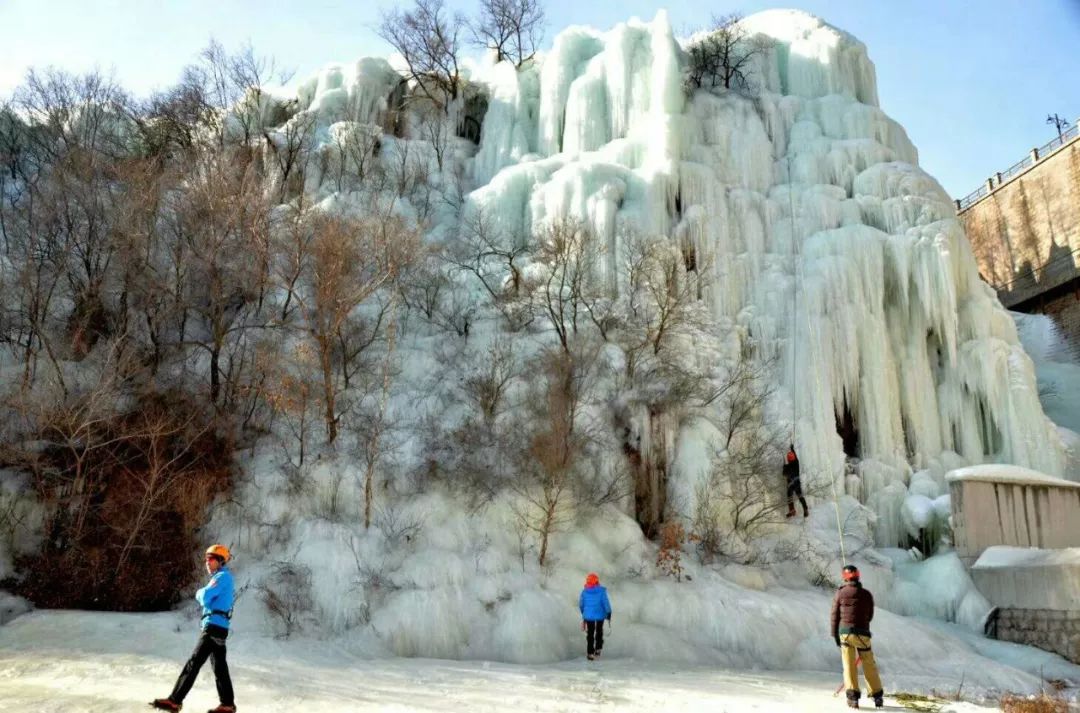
(853, 646)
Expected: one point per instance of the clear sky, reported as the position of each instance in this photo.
(971, 80)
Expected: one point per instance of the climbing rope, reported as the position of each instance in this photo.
(796, 264)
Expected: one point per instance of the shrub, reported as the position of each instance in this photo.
(124, 497)
(1042, 703)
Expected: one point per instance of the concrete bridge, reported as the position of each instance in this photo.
(1024, 229)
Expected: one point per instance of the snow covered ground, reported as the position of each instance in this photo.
(74, 661)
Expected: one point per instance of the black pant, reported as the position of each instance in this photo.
(794, 488)
(594, 636)
(211, 644)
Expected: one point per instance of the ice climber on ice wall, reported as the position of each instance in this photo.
(852, 611)
(794, 484)
(216, 599)
(595, 607)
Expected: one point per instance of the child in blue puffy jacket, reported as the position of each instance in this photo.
(595, 607)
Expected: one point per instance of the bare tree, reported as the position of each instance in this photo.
(70, 165)
(222, 217)
(569, 249)
(486, 386)
(512, 28)
(435, 128)
(235, 82)
(173, 120)
(492, 255)
(658, 313)
(725, 57)
(743, 492)
(291, 394)
(429, 40)
(424, 286)
(164, 466)
(550, 463)
(661, 306)
(287, 594)
(350, 259)
(290, 148)
(357, 147)
(408, 170)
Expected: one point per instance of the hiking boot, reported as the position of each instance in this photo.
(879, 700)
(791, 512)
(852, 703)
(591, 657)
(165, 704)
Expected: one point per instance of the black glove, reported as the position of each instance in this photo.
(837, 640)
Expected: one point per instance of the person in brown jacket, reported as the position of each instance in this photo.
(852, 610)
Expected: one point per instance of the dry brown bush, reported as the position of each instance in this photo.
(125, 496)
(1043, 703)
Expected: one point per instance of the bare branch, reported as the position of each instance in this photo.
(513, 29)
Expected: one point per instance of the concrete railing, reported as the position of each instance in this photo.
(1002, 177)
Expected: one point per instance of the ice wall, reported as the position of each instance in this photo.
(822, 238)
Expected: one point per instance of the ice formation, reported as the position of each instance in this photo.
(1057, 367)
(823, 239)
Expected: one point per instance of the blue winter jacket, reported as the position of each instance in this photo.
(594, 604)
(216, 599)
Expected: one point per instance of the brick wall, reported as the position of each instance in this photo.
(1057, 631)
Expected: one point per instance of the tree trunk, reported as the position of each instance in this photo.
(215, 377)
(328, 389)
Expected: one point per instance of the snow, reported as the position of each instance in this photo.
(1007, 556)
(998, 473)
(938, 587)
(77, 661)
(1009, 575)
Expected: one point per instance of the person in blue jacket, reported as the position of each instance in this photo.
(216, 600)
(595, 607)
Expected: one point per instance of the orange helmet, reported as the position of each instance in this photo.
(592, 579)
(850, 573)
(220, 551)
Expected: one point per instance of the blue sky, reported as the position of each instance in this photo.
(971, 81)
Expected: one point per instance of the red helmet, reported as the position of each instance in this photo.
(790, 456)
(592, 579)
(850, 572)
